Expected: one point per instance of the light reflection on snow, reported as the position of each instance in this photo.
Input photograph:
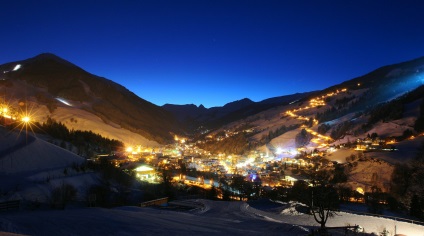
(17, 67)
(64, 101)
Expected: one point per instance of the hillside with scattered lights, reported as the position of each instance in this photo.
(363, 139)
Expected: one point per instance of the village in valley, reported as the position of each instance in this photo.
(315, 156)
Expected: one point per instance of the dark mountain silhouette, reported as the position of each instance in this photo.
(193, 116)
(105, 98)
(55, 77)
(386, 83)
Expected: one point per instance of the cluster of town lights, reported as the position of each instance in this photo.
(5, 111)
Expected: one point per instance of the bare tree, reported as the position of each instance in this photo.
(324, 203)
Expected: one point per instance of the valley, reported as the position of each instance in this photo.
(357, 139)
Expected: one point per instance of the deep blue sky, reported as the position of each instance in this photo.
(215, 52)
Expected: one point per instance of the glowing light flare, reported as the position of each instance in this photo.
(323, 145)
(316, 140)
(294, 152)
(224, 164)
(360, 190)
(143, 168)
(279, 151)
(26, 119)
(6, 110)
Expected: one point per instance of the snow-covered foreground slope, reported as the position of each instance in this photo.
(22, 153)
(214, 218)
(220, 218)
(370, 224)
(31, 167)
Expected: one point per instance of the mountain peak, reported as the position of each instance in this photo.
(60, 78)
(239, 103)
(47, 55)
(50, 57)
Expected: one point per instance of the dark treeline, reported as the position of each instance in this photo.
(407, 188)
(87, 143)
(394, 109)
(275, 133)
(419, 123)
(237, 144)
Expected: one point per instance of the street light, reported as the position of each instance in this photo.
(26, 119)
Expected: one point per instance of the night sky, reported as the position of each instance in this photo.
(215, 52)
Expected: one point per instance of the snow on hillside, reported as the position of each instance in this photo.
(285, 143)
(31, 167)
(341, 119)
(23, 153)
(370, 172)
(340, 155)
(392, 128)
(407, 150)
(79, 119)
(370, 224)
(214, 218)
(223, 218)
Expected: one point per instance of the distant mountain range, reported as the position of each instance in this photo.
(385, 101)
(47, 78)
(193, 116)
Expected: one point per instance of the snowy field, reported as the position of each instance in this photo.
(213, 218)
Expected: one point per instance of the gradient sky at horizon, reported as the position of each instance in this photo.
(215, 52)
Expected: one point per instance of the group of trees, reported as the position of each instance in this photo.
(87, 143)
(277, 132)
(236, 144)
(394, 109)
(407, 188)
(341, 129)
(386, 112)
(419, 122)
(303, 138)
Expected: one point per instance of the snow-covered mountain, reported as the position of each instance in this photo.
(30, 168)
(387, 102)
(352, 102)
(52, 86)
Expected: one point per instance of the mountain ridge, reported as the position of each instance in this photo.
(100, 96)
(117, 105)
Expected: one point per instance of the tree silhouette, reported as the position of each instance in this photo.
(302, 138)
(324, 203)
